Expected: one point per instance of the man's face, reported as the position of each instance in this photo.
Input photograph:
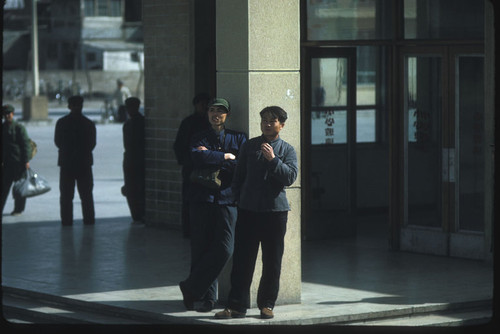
(217, 115)
(270, 125)
(9, 117)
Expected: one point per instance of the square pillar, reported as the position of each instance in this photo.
(35, 108)
(258, 65)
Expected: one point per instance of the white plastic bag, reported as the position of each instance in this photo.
(31, 184)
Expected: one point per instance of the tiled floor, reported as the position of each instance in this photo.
(139, 267)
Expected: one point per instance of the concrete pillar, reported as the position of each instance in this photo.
(35, 108)
(258, 62)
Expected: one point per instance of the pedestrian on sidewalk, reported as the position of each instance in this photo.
(133, 160)
(194, 123)
(267, 165)
(16, 153)
(75, 137)
(213, 211)
(122, 93)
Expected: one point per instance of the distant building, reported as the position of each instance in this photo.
(75, 34)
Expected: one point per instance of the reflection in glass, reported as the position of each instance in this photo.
(470, 120)
(348, 19)
(329, 81)
(329, 127)
(444, 19)
(423, 154)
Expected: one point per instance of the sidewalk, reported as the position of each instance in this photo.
(139, 267)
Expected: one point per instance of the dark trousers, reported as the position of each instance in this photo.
(253, 228)
(186, 184)
(137, 206)
(212, 244)
(84, 181)
(10, 174)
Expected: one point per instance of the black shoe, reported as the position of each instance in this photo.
(186, 297)
(208, 305)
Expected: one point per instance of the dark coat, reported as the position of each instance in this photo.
(133, 157)
(75, 136)
(190, 125)
(214, 157)
(16, 148)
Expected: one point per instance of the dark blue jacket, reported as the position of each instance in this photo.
(259, 184)
(214, 157)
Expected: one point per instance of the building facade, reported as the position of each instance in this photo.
(391, 109)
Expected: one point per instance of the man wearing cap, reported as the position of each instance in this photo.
(133, 160)
(212, 211)
(16, 152)
(75, 137)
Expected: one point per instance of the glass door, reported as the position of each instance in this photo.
(467, 237)
(443, 103)
(330, 136)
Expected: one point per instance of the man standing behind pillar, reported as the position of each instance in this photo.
(75, 137)
(194, 123)
(133, 160)
(267, 165)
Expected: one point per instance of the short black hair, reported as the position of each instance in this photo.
(202, 97)
(75, 100)
(133, 102)
(276, 112)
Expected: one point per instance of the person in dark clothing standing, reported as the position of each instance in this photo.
(190, 125)
(212, 211)
(133, 160)
(267, 165)
(16, 153)
(75, 137)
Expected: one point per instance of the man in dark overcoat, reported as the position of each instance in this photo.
(75, 137)
(133, 160)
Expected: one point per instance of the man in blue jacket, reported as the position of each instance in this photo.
(213, 211)
(267, 164)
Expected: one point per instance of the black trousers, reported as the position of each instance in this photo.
(253, 228)
(212, 242)
(84, 181)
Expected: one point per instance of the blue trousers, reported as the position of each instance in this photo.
(212, 243)
(253, 228)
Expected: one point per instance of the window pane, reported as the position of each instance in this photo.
(470, 102)
(365, 126)
(89, 8)
(329, 80)
(116, 8)
(367, 60)
(444, 19)
(102, 7)
(329, 127)
(348, 19)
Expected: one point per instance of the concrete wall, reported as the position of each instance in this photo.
(258, 65)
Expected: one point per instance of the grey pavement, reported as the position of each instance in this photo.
(137, 267)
